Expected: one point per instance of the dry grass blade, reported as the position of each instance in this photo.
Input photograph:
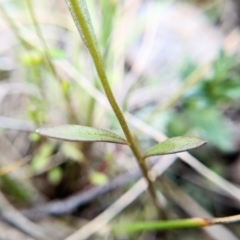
(13, 217)
(223, 184)
(12, 166)
(9, 232)
(15, 124)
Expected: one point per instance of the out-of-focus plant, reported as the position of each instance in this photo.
(201, 106)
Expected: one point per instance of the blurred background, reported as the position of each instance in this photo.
(174, 69)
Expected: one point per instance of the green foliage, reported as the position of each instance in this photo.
(79, 133)
(71, 151)
(31, 58)
(42, 157)
(201, 107)
(108, 8)
(35, 57)
(222, 86)
(55, 175)
(65, 87)
(83, 23)
(174, 145)
(36, 112)
(14, 189)
(98, 178)
(34, 137)
(209, 124)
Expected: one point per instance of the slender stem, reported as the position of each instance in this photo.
(90, 108)
(174, 224)
(81, 17)
(69, 108)
(160, 225)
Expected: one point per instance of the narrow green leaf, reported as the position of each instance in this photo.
(79, 133)
(174, 145)
(80, 14)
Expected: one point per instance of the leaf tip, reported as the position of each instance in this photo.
(40, 131)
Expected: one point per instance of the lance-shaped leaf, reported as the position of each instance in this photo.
(174, 145)
(80, 14)
(77, 133)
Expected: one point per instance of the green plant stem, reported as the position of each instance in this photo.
(80, 15)
(69, 108)
(173, 224)
(160, 225)
(91, 107)
(90, 111)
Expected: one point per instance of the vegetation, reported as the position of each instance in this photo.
(60, 87)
